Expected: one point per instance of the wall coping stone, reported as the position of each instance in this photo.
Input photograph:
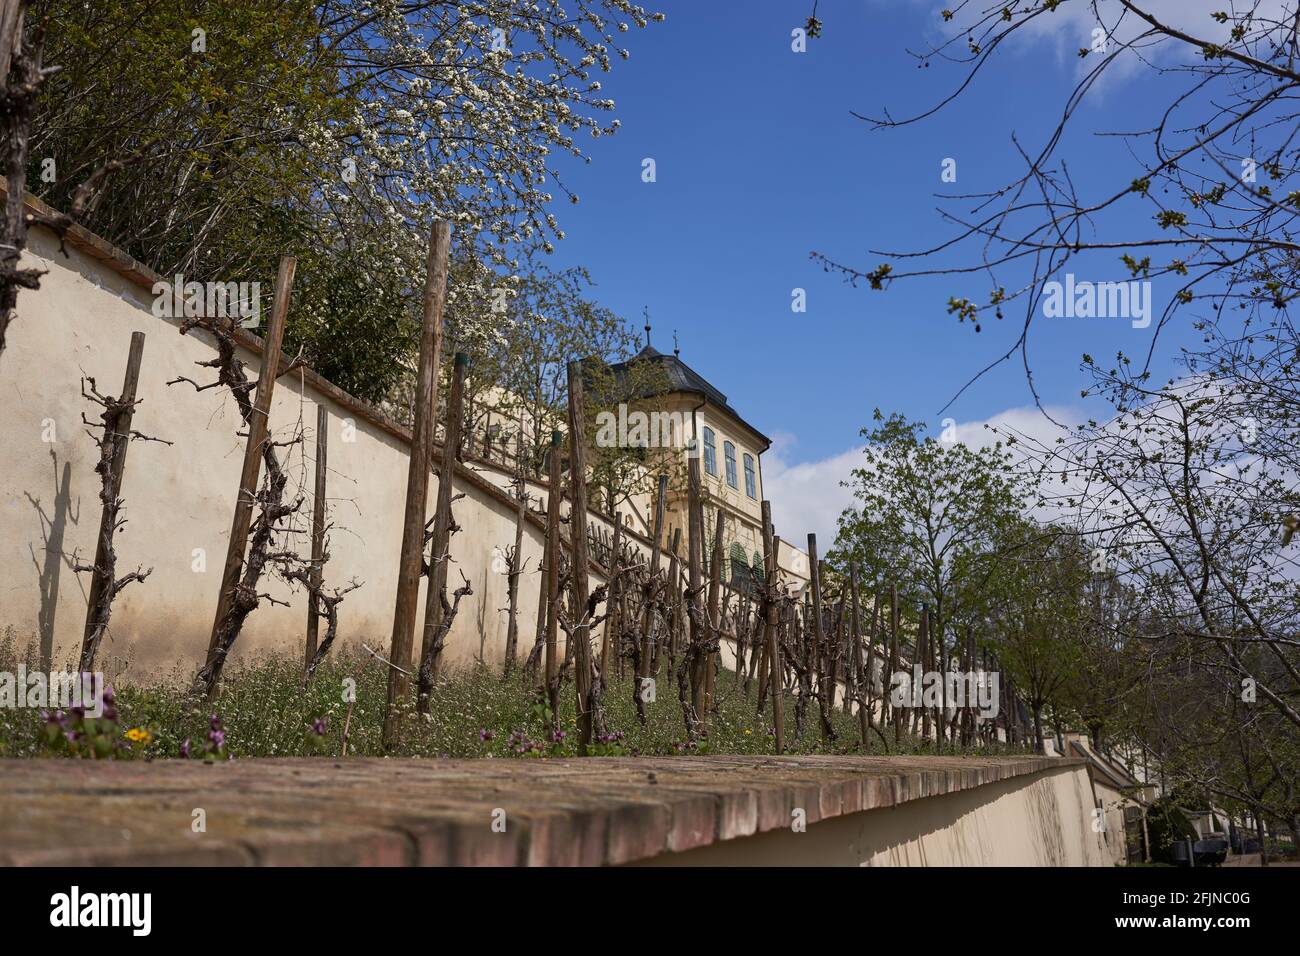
(408, 812)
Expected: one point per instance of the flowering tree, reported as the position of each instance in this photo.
(329, 130)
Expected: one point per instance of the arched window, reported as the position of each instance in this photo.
(729, 454)
(739, 560)
(710, 453)
(751, 483)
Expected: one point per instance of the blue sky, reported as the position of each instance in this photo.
(759, 163)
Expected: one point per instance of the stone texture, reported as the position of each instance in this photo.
(440, 812)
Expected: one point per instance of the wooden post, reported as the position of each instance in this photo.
(317, 570)
(870, 669)
(417, 479)
(552, 576)
(769, 628)
(818, 656)
(922, 659)
(612, 623)
(714, 618)
(258, 429)
(581, 634)
(695, 576)
(516, 569)
(895, 714)
(862, 679)
(766, 672)
(120, 434)
(652, 585)
(846, 651)
(431, 644)
(674, 586)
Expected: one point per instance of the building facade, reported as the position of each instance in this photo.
(730, 451)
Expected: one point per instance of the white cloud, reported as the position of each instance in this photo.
(807, 496)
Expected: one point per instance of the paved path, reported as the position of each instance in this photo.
(1252, 859)
(308, 811)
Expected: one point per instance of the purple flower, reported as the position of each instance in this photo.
(185, 748)
(108, 695)
(485, 734)
(318, 726)
(218, 738)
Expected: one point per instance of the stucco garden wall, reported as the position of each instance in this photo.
(179, 498)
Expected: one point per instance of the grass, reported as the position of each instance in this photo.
(266, 712)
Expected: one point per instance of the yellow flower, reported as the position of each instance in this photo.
(139, 735)
(748, 731)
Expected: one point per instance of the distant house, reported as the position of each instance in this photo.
(731, 469)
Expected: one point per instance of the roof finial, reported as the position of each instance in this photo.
(676, 348)
(646, 312)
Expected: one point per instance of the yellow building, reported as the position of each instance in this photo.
(730, 450)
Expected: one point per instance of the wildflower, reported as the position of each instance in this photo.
(318, 726)
(139, 735)
(185, 748)
(484, 734)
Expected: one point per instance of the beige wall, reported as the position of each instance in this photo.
(179, 497)
(1040, 819)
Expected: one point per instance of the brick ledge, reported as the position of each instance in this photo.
(371, 811)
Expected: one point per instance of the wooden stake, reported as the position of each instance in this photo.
(922, 658)
(674, 585)
(552, 577)
(516, 569)
(695, 577)
(652, 586)
(440, 560)
(895, 713)
(258, 429)
(769, 629)
(581, 628)
(819, 654)
(714, 619)
(612, 623)
(861, 677)
(417, 479)
(101, 580)
(317, 570)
